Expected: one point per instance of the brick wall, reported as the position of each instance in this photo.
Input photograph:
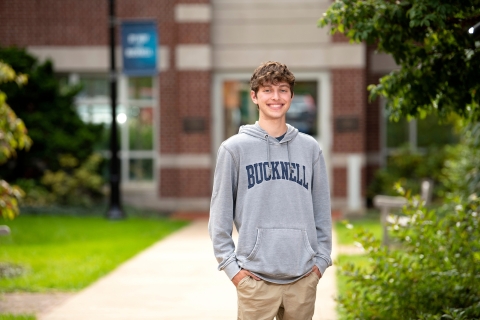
(339, 37)
(349, 97)
(185, 97)
(76, 23)
(188, 183)
(339, 183)
(349, 105)
(183, 94)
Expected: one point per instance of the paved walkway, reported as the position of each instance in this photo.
(175, 279)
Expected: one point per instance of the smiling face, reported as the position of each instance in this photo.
(273, 100)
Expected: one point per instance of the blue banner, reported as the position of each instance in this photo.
(139, 47)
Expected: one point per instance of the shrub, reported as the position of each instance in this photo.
(432, 272)
(36, 195)
(13, 137)
(409, 168)
(461, 173)
(47, 108)
(75, 184)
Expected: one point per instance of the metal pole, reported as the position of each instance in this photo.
(115, 211)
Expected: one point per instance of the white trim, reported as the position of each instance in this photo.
(382, 63)
(193, 12)
(193, 57)
(318, 56)
(354, 182)
(185, 161)
(340, 160)
(145, 195)
(85, 59)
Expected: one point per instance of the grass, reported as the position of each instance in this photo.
(346, 236)
(358, 260)
(66, 253)
(371, 222)
(342, 281)
(9, 316)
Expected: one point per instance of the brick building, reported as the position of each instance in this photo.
(176, 120)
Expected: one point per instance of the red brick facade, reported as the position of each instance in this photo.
(349, 98)
(185, 183)
(350, 127)
(339, 182)
(184, 95)
(185, 106)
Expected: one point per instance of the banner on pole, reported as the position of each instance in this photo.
(139, 47)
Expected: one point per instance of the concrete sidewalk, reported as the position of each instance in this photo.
(176, 278)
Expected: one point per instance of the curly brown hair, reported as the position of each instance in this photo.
(271, 72)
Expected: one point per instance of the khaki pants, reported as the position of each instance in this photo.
(261, 300)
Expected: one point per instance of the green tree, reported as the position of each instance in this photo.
(461, 174)
(432, 271)
(439, 60)
(13, 136)
(47, 108)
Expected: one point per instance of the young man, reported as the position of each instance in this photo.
(270, 181)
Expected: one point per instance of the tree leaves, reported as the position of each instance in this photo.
(13, 136)
(439, 60)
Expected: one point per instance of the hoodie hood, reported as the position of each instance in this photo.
(255, 130)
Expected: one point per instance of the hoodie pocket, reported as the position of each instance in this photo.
(282, 253)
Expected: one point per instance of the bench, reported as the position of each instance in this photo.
(387, 203)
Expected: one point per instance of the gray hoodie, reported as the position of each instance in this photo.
(277, 195)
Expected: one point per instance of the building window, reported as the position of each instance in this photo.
(135, 119)
(417, 134)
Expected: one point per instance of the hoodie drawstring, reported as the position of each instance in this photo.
(289, 161)
(268, 155)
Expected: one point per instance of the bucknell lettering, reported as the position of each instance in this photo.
(258, 173)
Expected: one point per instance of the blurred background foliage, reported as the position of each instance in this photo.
(409, 168)
(60, 166)
(74, 184)
(48, 111)
(13, 137)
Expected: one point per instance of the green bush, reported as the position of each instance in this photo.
(48, 110)
(461, 173)
(432, 271)
(13, 137)
(35, 194)
(410, 168)
(75, 183)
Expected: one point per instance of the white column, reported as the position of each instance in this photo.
(354, 180)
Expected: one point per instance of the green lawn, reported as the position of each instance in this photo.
(370, 222)
(9, 316)
(359, 260)
(342, 281)
(346, 236)
(67, 253)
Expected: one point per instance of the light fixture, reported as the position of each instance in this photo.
(472, 29)
(121, 118)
